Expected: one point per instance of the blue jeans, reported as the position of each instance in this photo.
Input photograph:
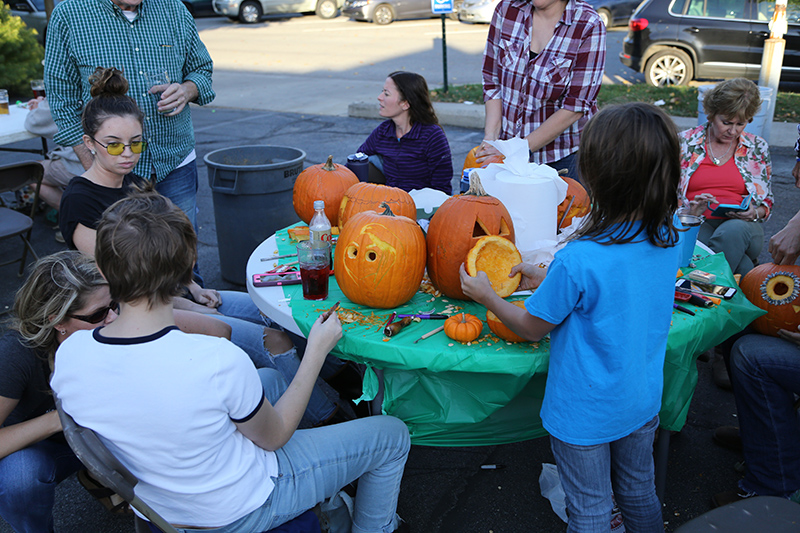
(250, 338)
(589, 474)
(28, 480)
(765, 374)
(317, 463)
(180, 186)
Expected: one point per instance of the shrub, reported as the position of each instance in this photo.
(20, 54)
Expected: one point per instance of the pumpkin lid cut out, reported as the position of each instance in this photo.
(496, 256)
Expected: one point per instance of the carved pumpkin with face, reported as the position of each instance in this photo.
(775, 289)
(380, 259)
(456, 227)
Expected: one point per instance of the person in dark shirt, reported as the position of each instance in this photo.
(410, 149)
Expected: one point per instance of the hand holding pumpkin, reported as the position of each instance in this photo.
(791, 336)
(485, 151)
(532, 275)
(478, 287)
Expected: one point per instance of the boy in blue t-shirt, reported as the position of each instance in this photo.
(607, 298)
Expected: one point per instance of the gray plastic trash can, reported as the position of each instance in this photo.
(252, 193)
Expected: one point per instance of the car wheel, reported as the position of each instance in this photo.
(383, 15)
(605, 16)
(669, 67)
(250, 12)
(327, 9)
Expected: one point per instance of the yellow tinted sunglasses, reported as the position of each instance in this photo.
(137, 147)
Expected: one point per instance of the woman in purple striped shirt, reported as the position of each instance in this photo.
(409, 149)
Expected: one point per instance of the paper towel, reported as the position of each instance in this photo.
(530, 192)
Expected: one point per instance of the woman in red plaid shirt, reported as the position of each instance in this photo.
(542, 69)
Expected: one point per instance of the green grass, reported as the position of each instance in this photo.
(678, 101)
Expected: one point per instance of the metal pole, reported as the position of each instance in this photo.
(772, 62)
(444, 53)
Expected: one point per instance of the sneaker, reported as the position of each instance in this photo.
(728, 437)
(59, 237)
(731, 496)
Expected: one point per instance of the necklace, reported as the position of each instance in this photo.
(715, 159)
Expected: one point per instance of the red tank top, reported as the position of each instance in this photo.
(725, 182)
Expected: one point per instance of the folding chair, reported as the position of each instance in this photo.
(106, 469)
(13, 178)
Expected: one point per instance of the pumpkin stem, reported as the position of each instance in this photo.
(387, 211)
(475, 187)
(329, 164)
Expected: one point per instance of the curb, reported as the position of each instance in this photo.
(472, 116)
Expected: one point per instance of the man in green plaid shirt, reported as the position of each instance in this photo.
(139, 37)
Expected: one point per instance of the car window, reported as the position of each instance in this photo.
(727, 9)
(765, 9)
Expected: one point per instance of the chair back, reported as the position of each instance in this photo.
(15, 176)
(105, 468)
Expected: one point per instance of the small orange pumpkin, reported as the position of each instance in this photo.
(495, 255)
(380, 259)
(775, 289)
(327, 182)
(579, 207)
(500, 329)
(470, 162)
(369, 196)
(456, 227)
(463, 327)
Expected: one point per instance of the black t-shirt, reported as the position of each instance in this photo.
(83, 202)
(24, 376)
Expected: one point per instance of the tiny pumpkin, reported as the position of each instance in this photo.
(327, 182)
(470, 161)
(380, 259)
(369, 196)
(775, 289)
(463, 327)
(576, 204)
(495, 256)
(500, 329)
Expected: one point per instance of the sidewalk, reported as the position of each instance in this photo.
(444, 489)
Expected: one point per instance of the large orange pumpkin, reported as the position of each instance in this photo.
(500, 329)
(463, 327)
(495, 256)
(470, 162)
(580, 205)
(369, 196)
(775, 289)
(456, 227)
(380, 259)
(327, 182)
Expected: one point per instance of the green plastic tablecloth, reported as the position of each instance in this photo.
(490, 392)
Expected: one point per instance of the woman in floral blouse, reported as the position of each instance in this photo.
(723, 164)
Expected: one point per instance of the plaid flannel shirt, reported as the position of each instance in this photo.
(567, 74)
(86, 34)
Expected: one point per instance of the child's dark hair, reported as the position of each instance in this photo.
(109, 99)
(630, 164)
(146, 248)
(414, 90)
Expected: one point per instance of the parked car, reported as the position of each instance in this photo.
(675, 41)
(386, 11)
(477, 11)
(32, 14)
(614, 12)
(199, 8)
(251, 11)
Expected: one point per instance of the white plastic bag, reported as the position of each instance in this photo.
(550, 485)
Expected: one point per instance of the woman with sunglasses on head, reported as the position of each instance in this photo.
(113, 132)
(64, 293)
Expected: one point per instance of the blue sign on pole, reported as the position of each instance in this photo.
(441, 6)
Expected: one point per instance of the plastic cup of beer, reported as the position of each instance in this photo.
(37, 86)
(158, 79)
(315, 268)
(3, 102)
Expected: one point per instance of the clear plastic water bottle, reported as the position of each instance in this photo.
(319, 229)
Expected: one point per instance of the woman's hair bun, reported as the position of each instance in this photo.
(108, 82)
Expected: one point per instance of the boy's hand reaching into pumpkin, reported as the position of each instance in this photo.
(532, 275)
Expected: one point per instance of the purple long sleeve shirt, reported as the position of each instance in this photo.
(420, 158)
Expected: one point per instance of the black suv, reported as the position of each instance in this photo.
(675, 41)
